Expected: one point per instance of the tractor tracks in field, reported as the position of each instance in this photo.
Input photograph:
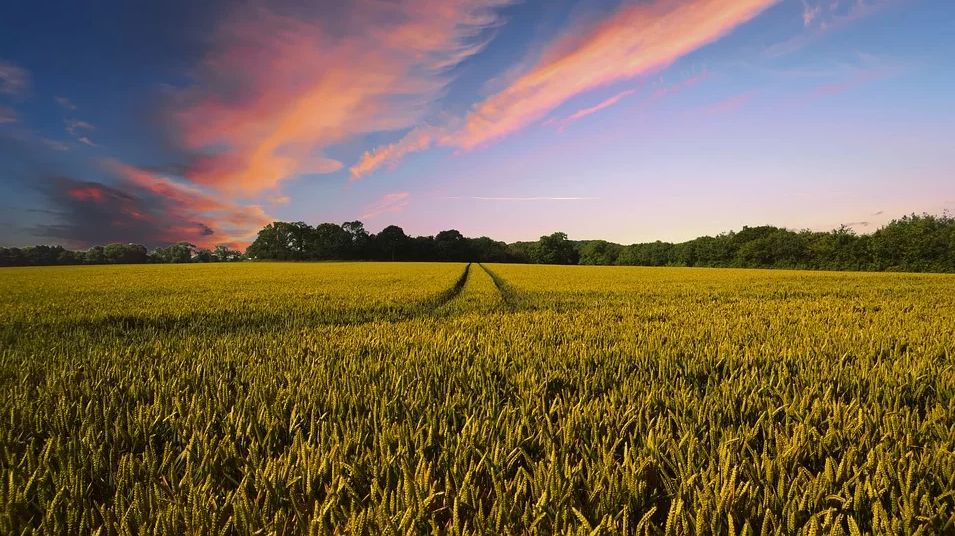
(445, 297)
(462, 298)
(512, 300)
(445, 304)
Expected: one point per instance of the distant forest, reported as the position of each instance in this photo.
(914, 243)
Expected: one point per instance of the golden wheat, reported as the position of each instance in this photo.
(375, 398)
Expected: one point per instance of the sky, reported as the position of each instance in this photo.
(625, 120)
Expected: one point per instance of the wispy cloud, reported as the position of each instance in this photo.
(867, 70)
(276, 91)
(279, 199)
(636, 40)
(392, 203)
(74, 127)
(821, 17)
(584, 112)
(535, 198)
(660, 92)
(65, 103)
(14, 80)
(810, 12)
(730, 104)
(388, 156)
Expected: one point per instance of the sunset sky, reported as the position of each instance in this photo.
(631, 121)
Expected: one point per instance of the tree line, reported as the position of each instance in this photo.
(916, 243)
(117, 254)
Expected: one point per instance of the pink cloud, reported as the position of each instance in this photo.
(729, 104)
(636, 40)
(276, 91)
(859, 78)
(86, 193)
(186, 208)
(584, 112)
(661, 92)
(417, 140)
(810, 12)
(392, 203)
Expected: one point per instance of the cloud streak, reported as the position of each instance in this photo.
(65, 103)
(584, 112)
(389, 156)
(519, 199)
(822, 17)
(277, 91)
(392, 203)
(636, 40)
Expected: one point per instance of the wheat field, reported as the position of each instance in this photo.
(443, 398)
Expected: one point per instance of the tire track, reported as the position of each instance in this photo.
(226, 322)
(512, 299)
(448, 295)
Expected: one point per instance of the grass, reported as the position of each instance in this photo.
(439, 398)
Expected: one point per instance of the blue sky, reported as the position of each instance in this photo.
(624, 120)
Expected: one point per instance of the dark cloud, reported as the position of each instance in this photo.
(144, 208)
(91, 213)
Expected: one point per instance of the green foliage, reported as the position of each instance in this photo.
(555, 249)
(599, 252)
(913, 243)
(365, 398)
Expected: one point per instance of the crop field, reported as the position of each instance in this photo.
(443, 398)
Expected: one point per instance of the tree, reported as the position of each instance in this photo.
(95, 255)
(484, 249)
(223, 253)
(359, 241)
(125, 253)
(451, 245)
(599, 252)
(281, 241)
(391, 242)
(203, 255)
(555, 249)
(914, 243)
(327, 242)
(175, 253)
